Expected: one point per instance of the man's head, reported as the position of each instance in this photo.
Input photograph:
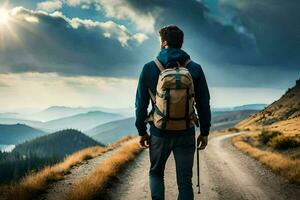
(171, 36)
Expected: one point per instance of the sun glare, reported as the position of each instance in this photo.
(4, 17)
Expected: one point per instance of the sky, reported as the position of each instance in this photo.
(90, 52)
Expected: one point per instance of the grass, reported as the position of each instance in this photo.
(278, 162)
(34, 184)
(267, 136)
(94, 184)
(285, 142)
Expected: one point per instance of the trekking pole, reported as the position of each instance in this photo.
(198, 171)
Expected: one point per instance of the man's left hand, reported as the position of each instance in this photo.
(202, 141)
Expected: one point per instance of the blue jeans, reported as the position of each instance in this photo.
(183, 148)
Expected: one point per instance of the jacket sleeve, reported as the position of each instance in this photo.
(141, 104)
(202, 98)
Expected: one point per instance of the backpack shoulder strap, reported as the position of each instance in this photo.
(159, 65)
(152, 96)
(187, 62)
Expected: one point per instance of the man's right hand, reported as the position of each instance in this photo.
(144, 141)
(203, 140)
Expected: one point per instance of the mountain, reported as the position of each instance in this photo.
(126, 112)
(36, 124)
(57, 112)
(242, 107)
(250, 107)
(82, 121)
(282, 115)
(112, 131)
(226, 119)
(9, 115)
(59, 144)
(18, 133)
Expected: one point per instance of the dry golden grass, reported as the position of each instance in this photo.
(36, 183)
(289, 168)
(93, 185)
(282, 115)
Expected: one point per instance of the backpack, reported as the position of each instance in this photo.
(173, 103)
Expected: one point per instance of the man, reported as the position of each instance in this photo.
(161, 141)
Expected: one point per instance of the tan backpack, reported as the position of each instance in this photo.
(173, 104)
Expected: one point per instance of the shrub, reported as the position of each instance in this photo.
(285, 142)
(267, 136)
(233, 129)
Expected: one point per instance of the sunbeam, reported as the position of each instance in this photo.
(4, 17)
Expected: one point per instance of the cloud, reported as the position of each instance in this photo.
(99, 91)
(140, 37)
(56, 43)
(274, 24)
(247, 33)
(48, 89)
(82, 3)
(242, 45)
(120, 9)
(206, 37)
(242, 33)
(50, 5)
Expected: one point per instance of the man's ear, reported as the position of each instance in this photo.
(164, 45)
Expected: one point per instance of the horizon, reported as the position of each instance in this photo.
(35, 110)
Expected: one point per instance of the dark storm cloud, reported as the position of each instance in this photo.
(54, 43)
(268, 32)
(275, 25)
(205, 36)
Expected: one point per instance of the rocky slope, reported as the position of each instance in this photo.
(282, 115)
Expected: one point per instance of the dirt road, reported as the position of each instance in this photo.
(57, 189)
(225, 174)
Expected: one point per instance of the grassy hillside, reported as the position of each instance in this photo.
(282, 115)
(58, 144)
(112, 131)
(18, 133)
(273, 135)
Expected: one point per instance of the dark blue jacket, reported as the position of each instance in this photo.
(148, 80)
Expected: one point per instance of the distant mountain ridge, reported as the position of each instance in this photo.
(57, 112)
(282, 115)
(250, 107)
(12, 121)
(18, 133)
(59, 144)
(226, 119)
(112, 131)
(258, 106)
(82, 121)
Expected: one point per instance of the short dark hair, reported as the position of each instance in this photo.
(173, 35)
